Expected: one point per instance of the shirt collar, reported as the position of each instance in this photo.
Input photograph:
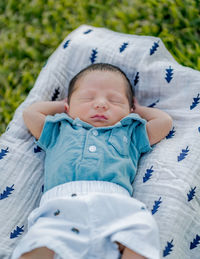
(132, 117)
(125, 121)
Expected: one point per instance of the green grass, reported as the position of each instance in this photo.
(30, 30)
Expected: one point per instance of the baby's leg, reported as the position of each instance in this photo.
(128, 253)
(39, 253)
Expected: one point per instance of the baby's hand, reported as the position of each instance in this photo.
(135, 101)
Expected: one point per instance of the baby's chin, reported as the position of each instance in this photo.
(98, 124)
(101, 123)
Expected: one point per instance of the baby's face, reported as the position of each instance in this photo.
(99, 98)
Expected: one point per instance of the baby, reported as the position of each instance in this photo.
(93, 141)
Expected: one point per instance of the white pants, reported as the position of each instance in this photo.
(84, 219)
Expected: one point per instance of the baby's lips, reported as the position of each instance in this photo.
(98, 116)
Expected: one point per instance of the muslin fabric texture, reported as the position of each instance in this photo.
(168, 178)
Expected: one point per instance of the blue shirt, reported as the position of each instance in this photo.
(76, 150)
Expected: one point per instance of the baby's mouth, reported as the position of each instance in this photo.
(99, 117)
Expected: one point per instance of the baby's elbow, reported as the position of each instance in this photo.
(168, 123)
(25, 114)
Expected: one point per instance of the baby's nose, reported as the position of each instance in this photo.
(101, 104)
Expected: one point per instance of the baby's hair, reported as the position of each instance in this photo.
(102, 67)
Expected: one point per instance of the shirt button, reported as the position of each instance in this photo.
(92, 148)
(95, 133)
(125, 139)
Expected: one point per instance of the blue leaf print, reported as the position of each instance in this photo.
(37, 149)
(153, 104)
(88, 31)
(168, 248)
(18, 231)
(169, 74)
(55, 94)
(171, 134)
(199, 129)
(6, 192)
(148, 174)
(3, 153)
(156, 206)
(191, 194)
(196, 241)
(66, 44)
(123, 47)
(154, 48)
(93, 55)
(183, 154)
(136, 80)
(195, 102)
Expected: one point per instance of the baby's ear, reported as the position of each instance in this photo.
(133, 105)
(66, 105)
(65, 100)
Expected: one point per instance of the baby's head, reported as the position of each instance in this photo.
(101, 94)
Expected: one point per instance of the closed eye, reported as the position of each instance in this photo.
(116, 101)
(86, 99)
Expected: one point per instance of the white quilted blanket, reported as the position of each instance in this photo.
(168, 178)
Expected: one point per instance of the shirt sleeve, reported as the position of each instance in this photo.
(50, 131)
(142, 139)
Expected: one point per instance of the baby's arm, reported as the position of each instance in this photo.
(159, 122)
(34, 115)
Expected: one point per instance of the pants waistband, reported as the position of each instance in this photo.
(82, 187)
